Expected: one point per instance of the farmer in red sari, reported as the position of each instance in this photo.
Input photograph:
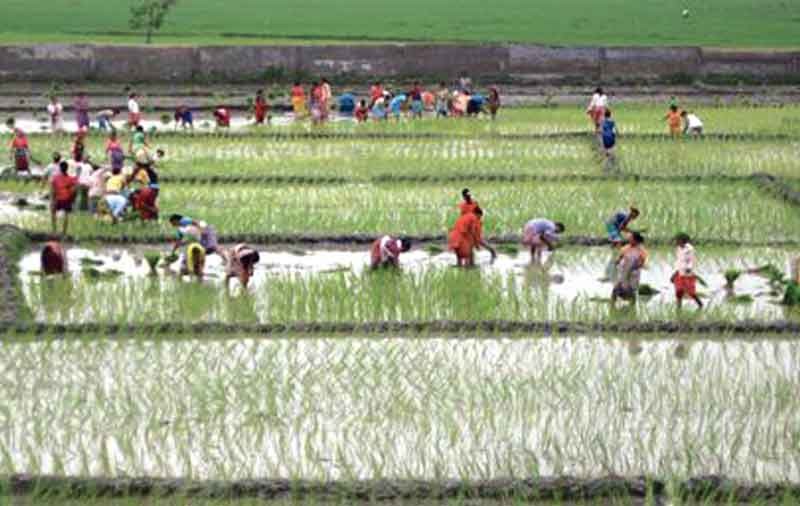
(467, 236)
(53, 259)
(144, 202)
(385, 251)
(262, 108)
(20, 151)
(468, 204)
(223, 117)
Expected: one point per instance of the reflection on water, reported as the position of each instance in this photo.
(402, 408)
(571, 279)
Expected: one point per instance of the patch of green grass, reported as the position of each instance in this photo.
(575, 22)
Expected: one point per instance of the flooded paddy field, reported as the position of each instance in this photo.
(430, 408)
(116, 285)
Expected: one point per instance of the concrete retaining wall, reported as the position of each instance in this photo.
(71, 63)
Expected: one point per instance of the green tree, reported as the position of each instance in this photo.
(149, 15)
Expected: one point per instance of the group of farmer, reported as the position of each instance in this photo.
(680, 122)
(103, 188)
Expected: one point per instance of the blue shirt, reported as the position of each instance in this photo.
(617, 219)
(347, 103)
(477, 99)
(608, 129)
(397, 102)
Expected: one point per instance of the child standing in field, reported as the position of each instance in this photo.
(261, 108)
(684, 278)
(674, 121)
(597, 108)
(134, 112)
(631, 261)
(298, 100)
(608, 135)
(55, 110)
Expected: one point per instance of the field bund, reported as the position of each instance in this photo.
(127, 64)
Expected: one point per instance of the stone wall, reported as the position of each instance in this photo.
(70, 63)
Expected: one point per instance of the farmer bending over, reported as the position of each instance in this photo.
(467, 236)
(53, 258)
(541, 235)
(240, 262)
(385, 252)
(631, 260)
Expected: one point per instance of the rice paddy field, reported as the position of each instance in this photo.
(726, 23)
(386, 414)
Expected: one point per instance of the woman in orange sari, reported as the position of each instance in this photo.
(467, 236)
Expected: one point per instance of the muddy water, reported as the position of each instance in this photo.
(31, 125)
(371, 408)
(574, 279)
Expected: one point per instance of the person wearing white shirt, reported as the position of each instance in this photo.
(692, 124)
(597, 108)
(134, 115)
(684, 278)
(54, 110)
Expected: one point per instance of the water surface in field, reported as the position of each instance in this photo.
(401, 408)
(573, 280)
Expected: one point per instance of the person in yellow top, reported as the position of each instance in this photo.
(115, 199)
(632, 259)
(674, 121)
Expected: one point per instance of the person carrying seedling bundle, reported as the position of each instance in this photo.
(684, 278)
(541, 235)
(63, 189)
(20, 151)
(692, 124)
(53, 258)
(597, 108)
(674, 121)
(467, 204)
(385, 251)
(222, 116)
(631, 261)
(467, 236)
(240, 262)
(262, 108)
(616, 225)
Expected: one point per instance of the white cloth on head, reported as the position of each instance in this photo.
(385, 245)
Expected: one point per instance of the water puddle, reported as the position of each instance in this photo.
(573, 281)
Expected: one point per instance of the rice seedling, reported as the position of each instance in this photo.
(422, 408)
(336, 287)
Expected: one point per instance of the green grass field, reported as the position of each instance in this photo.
(724, 23)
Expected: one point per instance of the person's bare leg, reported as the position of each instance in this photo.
(698, 301)
(53, 214)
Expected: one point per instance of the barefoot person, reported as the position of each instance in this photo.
(541, 235)
(692, 125)
(385, 251)
(616, 226)
(467, 236)
(190, 230)
(55, 110)
(240, 262)
(21, 151)
(684, 278)
(63, 188)
(608, 135)
(674, 121)
(53, 259)
(631, 261)
(261, 108)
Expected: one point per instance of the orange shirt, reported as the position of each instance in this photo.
(674, 120)
(467, 233)
(467, 207)
(19, 142)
